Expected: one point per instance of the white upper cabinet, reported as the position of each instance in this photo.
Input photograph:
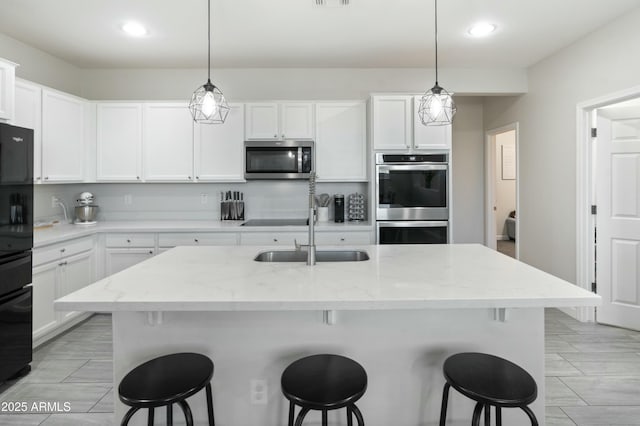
(341, 141)
(296, 120)
(63, 137)
(261, 121)
(270, 120)
(396, 125)
(219, 148)
(119, 142)
(7, 89)
(392, 122)
(28, 113)
(429, 137)
(167, 142)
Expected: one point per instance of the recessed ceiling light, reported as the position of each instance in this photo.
(134, 29)
(481, 29)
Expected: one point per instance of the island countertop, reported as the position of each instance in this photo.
(226, 278)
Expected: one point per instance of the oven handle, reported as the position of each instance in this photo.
(16, 260)
(412, 224)
(14, 298)
(299, 159)
(412, 167)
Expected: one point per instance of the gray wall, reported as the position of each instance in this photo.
(601, 63)
(41, 67)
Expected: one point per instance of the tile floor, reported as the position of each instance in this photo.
(593, 376)
(507, 247)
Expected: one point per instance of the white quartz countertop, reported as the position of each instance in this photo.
(63, 232)
(226, 278)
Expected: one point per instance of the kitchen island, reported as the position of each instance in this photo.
(399, 314)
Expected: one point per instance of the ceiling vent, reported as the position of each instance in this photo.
(331, 3)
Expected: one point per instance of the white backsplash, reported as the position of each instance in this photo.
(173, 201)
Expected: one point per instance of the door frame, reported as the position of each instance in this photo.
(490, 184)
(585, 221)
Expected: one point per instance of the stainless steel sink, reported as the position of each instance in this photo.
(321, 256)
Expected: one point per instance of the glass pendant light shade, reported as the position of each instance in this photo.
(437, 107)
(208, 105)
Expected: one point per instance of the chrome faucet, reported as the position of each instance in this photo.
(311, 247)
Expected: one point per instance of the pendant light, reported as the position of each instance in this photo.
(208, 104)
(436, 106)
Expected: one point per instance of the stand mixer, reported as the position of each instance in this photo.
(86, 211)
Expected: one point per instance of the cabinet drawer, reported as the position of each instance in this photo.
(198, 239)
(273, 238)
(340, 238)
(131, 240)
(58, 251)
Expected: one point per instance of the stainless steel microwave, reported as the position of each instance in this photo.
(283, 159)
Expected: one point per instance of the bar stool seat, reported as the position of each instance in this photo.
(165, 381)
(490, 381)
(324, 382)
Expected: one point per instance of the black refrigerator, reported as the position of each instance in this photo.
(16, 243)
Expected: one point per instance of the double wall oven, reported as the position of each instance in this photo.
(16, 242)
(412, 198)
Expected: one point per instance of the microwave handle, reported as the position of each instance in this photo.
(299, 159)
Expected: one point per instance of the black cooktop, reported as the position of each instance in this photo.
(276, 222)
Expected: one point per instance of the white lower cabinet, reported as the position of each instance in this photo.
(119, 259)
(273, 238)
(59, 270)
(342, 238)
(173, 239)
(45, 280)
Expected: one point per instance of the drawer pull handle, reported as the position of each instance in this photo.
(342, 239)
(62, 263)
(128, 241)
(62, 250)
(275, 240)
(150, 251)
(195, 239)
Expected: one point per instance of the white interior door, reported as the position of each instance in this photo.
(618, 216)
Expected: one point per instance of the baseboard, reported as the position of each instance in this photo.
(55, 331)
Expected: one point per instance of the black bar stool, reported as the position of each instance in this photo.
(324, 382)
(165, 381)
(490, 381)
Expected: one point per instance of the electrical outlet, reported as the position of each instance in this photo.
(258, 392)
(54, 201)
(204, 198)
(128, 199)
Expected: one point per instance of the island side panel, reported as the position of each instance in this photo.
(402, 352)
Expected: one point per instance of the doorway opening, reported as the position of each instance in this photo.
(501, 189)
(608, 155)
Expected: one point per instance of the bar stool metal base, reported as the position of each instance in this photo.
(490, 381)
(324, 383)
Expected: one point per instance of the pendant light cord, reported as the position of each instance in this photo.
(209, 38)
(436, 32)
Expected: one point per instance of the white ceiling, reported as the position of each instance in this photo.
(296, 33)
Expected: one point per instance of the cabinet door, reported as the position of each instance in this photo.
(341, 141)
(7, 90)
(45, 280)
(167, 142)
(76, 272)
(261, 121)
(120, 259)
(119, 142)
(429, 137)
(219, 148)
(296, 120)
(28, 113)
(392, 122)
(62, 137)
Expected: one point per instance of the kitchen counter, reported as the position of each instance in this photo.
(399, 314)
(63, 232)
(396, 277)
